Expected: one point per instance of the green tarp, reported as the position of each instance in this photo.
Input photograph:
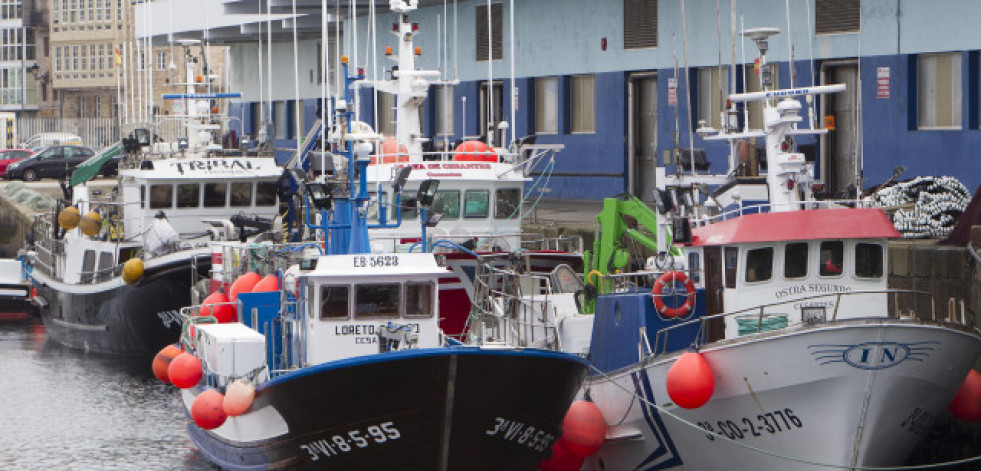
(91, 167)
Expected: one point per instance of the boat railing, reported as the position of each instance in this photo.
(481, 242)
(761, 318)
(743, 210)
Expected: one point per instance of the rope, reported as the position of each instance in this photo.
(548, 177)
(778, 455)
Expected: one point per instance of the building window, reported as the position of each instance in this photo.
(712, 84)
(497, 12)
(57, 61)
(639, 24)
(546, 105)
(837, 16)
(583, 106)
(386, 114)
(161, 60)
(279, 119)
(754, 84)
(938, 91)
(444, 110)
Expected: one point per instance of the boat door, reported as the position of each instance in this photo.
(495, 114)
(840, 152)
(713, 292)
(642, 134)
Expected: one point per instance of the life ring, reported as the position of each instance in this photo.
(670, 278)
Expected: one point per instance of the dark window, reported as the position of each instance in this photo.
(759, 264)
(868, 260)
(832, 255)
(105, 266)
(409, 207)
(265, 194)
(497, 13)
(837, 16)
(507, 203)
(142, 196)
(214, 195)
(731, 261)
(475, 204)
(795, 260)
(241, 195)
(334, 301)
(161, 196)
(419, 299)
(639, 24)
(376, 300)
(88, 265)
(694, 267)
(447, 203)
(188, 195)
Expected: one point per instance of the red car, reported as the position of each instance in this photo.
(9, 156)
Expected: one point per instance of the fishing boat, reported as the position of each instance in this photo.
(764, 333)
(15, 292)
(342, 364)
(112, 268)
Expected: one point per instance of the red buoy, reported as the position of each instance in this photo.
(583, 429)
(185, 371)
(238, 397)
(206, 409)
(966, 405)
(223, 312)
(474, 151)
(561, 460)
(243, 284)
(690, 381)
(162, 361)
(390, 152)
(267, 284)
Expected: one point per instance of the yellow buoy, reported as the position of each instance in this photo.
(91, 224)
(68, 218)
(132, 270)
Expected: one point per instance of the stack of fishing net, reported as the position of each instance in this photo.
(18, 192)
(928, 207)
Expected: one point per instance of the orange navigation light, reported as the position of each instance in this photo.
(388, 50)
(344, 59)
(199, 79)
(418, 51)
(829, 122)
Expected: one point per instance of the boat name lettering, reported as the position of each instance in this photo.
(811, 288)
(373, 261)
(212, 165)
(918, 422)
(521, 433)
(774, 422)
(872, 355)
(350, 440)
(452, 166)
(366, 329)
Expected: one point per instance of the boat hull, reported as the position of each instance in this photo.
(457, 408)
(115, 318)
(860, 393)
(14, 301)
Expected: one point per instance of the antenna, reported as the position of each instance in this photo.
(761, 37)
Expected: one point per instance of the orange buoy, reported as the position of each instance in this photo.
(238, 397)
(223, 312)
(690, 381)
(391, 151)
(243, 284)
(561, 459)
(474, 151)
(162, 361)
(267, 284)
(206, 410)
(966, 405)
(583, 429)
(185, 370)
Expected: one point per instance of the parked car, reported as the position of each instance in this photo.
(49, 162)
(9, 156)
(45, 139)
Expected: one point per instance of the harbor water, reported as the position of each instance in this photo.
(67, 410)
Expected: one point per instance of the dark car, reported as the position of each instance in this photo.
(9, 156)
(49, 162)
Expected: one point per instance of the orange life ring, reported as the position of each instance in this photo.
(669, 278)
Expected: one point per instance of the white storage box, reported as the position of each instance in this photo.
(231, 349)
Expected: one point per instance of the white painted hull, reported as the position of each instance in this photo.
(847, 394)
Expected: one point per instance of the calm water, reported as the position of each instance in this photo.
(64, 409)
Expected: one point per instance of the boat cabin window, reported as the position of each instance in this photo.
(759, 264)
(731, 257)
(214, 195)
(694, 267)
(475, 204)
(161, 196)
(376, 300)
(188, 195)
(419, 299)
(105, 266)
(266, 193)
(334, 301)
(795, 260)
(142, 196)
(868, 260)
(409, 206)
(448, 204)
(88, 266)
(832, 256)
(506, 203)
(241, 194)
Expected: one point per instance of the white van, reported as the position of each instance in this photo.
(52, 138)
